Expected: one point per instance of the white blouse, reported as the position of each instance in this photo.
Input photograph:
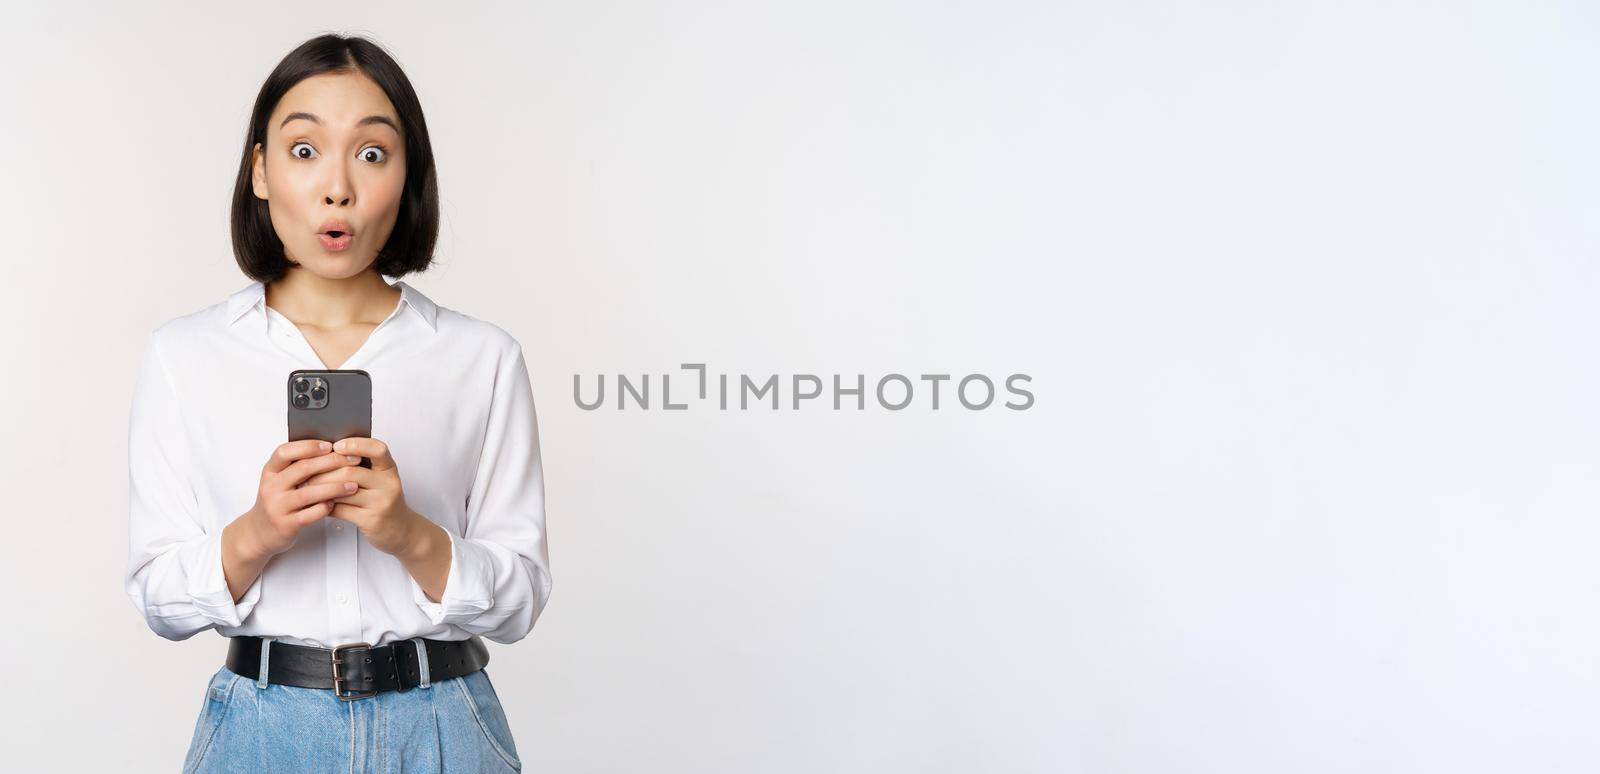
(451, 398)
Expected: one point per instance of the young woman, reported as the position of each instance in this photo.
(355, 606)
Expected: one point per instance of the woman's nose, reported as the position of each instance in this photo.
(338, 190)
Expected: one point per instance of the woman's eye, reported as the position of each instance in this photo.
(294, 150)
(374, 154)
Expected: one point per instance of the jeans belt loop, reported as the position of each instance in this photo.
(422, 660)
(266, 652)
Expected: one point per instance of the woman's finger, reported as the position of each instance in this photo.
(367, 479)
(312, 512)
(361, 498)
(298, 473)
(371, 448)
(306, 495)
(286, 454)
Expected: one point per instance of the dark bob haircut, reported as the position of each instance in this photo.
(416, 229)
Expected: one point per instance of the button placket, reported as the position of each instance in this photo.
(344, 607)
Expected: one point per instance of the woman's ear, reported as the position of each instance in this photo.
(258, 172)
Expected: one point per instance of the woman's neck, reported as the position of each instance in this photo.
(307, 299)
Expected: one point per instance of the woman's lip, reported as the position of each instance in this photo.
(334, 244)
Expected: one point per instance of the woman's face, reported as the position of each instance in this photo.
(334, 160)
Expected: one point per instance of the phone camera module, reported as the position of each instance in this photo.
(308, 392)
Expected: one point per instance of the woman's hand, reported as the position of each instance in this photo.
(291, 495)
(378, 506)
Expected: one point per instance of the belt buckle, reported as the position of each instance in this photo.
(339, 679)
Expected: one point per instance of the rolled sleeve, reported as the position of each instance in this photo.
(208, 585)
(174, 572)
(499, 579)
(468, 588)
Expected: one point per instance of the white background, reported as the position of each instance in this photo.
(1307, 292)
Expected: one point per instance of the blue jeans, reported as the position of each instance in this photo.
(456, 725)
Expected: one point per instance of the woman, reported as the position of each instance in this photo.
(354, 607)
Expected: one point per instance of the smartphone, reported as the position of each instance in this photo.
(330, 405)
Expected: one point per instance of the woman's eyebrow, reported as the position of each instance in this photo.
(385, 120)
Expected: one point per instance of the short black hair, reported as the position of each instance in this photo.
(416, 229)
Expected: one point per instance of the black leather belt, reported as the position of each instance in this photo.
(357, 670)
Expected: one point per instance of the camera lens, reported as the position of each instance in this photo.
(318, 393)
(301, 385)
(301, 401)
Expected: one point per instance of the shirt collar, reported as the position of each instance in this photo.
(254, 296)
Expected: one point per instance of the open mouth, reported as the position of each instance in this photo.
(335, 241)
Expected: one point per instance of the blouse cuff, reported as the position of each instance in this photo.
(208, 585)
(468, 587)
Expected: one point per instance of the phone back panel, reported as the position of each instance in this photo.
(347, 412)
